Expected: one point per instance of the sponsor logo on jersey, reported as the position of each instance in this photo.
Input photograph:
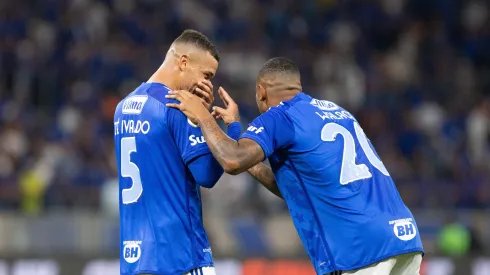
(131, 251)
(196, 140)
(404, 229)
(207, 250)
(255, 129)
(324, 105)
(134, 105)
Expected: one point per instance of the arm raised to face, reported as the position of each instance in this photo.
(269, 132)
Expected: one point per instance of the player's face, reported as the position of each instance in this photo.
(261, 97)
(202, 66)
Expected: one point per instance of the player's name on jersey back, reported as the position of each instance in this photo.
(330, 110)
(130, 126)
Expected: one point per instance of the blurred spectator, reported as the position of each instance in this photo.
(414, 73)
(478, 130)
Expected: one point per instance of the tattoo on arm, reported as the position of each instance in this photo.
(264, 175)
(235, 157)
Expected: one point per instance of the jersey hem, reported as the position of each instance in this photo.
(376, 260)
(152, 272)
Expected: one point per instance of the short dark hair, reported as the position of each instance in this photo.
(199, 40)
(281, 65)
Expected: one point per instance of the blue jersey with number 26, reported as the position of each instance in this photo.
(160, 207)
(342, 199)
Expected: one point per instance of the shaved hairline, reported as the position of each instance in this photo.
(177, 49)
(199, 40)
(280, 81)
(277, 77)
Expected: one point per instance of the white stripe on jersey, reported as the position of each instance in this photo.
(208, 270)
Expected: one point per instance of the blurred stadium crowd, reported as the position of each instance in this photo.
(415, 73)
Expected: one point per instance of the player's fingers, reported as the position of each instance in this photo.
(225, 97)
(204, 95)
(221, 96)
(175, 95)
(174, 105)
(204, 102)
(180, 94)
(219, 110)
(205, 92)
(205, 87)
(208, 84)
(184, 94)
(172, 96)
(216, 114)
(187, 95)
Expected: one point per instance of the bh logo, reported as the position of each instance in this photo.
(132, 251)
(404, 229)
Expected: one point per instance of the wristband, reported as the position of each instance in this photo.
(234, 130)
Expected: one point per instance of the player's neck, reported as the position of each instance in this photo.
(283, 96)
(163, 76)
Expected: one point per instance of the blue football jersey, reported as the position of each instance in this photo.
(161, 223)
(342, 200)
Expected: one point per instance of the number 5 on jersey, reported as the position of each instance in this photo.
(350, 171)
(130, 170)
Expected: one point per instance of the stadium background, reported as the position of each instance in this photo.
(416, 73)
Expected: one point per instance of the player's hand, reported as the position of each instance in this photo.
(230, 113)
(204, 90)
(191, 105)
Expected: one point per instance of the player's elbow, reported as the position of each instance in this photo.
(232, 167)
(233, 172)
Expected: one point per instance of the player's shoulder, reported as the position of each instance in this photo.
(275, 112)
(324, 105)
(308, 102)
(148, 92)
(133, 103)
(289, 108)
(157, 92)
(285, 110)
(283, 107)
(277, 116)
(146, 99)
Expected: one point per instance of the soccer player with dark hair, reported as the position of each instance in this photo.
(342, 199)
(163, 160)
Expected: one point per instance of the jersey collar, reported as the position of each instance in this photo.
(298, 97)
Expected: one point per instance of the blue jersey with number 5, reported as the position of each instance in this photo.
(160, 207)
(342, 199)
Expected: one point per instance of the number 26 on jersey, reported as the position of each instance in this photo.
(350, 171)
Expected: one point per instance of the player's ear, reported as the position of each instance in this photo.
(183, 62)
(261, 92)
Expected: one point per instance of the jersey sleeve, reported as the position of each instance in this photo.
(188, 137)
(206, 170)
(272, 130)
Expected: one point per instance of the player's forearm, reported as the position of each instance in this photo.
(233, 158)
(264, 175)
